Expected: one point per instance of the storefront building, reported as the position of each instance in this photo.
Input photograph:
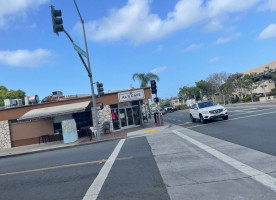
(23, 125)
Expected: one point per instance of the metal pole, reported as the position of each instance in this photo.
(90, 77)
(158, 110)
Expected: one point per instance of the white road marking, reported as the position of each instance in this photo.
(173, 119)
(255, 174)
(179, 120)
(94, 190)
(234, 119)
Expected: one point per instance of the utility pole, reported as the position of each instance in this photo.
(90, 77)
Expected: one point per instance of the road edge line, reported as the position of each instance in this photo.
(95, 188)
(255, 174)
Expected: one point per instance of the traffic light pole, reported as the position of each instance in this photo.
(90, 77)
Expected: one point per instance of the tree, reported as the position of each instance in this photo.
(10, 94)
(251, 82)
(145, 78)
(205, 88)
(217, 79)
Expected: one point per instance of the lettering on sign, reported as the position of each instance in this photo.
(131, 95)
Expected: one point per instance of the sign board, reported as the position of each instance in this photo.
(69, 131)
(131, 95)
(80, 50)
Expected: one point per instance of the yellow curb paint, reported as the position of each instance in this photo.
(151, 130)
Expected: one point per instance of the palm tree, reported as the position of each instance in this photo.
(145, 78)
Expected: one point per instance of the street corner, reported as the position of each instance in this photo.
(151, 130)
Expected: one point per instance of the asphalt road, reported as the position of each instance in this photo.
(68, 173)
(249, 125)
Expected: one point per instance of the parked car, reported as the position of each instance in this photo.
(162, 111)
(169, 109)
(207, 110)
(258, 95)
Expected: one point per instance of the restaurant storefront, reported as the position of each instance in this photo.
(25, 124)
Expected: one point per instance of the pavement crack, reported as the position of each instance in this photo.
(215, 181)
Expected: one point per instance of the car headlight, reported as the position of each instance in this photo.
(205, 112)
(225, 110)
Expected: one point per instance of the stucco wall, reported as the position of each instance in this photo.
(28, 132)
(5, 139)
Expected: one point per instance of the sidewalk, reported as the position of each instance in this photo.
(50, 146)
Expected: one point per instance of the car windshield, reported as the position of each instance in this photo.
(206, 104)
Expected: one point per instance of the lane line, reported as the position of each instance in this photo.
(255, 174)
(233, 119)
(62, 166)
(94, 190)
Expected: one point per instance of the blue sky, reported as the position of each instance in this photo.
(182, 41)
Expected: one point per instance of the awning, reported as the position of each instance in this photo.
(55, 110)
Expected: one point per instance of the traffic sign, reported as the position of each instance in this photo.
(80, 50)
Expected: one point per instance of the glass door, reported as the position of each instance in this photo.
(123, 117)
(130, 120)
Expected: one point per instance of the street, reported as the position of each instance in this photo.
(233, 159)
(252, 126)
(68, 173)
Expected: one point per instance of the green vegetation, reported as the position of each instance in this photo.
(235, 86)
(10, 94)
(145, 78)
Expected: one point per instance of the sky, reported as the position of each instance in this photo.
(182, 41)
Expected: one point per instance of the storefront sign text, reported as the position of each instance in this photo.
(131, 95)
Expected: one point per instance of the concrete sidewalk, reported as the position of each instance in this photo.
(197, 166)
(50, 146)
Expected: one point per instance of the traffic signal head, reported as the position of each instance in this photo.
(156, 99)
(100, 89)
(56, 20)
(153, 87)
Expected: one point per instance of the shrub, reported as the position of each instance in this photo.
(247, 98)
(235, 100)
(182, 107)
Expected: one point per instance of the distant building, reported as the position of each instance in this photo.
(268, 86)
(177, 102)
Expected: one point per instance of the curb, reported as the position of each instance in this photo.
(58, 148)
(63, 147)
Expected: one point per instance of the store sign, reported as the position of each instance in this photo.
(131, 95)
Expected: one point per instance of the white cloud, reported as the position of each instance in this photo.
(268, 5)
(25, 58)
(268, 32)
(158, 70)
(135, 22)
(224, 40)
(12, 9)
(193, 47)
(213, 60)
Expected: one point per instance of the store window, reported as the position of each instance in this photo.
(115, 116)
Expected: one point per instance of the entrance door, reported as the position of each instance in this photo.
(123, 117)
(130, 120)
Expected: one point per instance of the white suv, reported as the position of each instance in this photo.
(207, 110)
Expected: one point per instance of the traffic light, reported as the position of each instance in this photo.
(153, 87)
(156, 99)
(56, 20)
(101, 106)
(100, 89)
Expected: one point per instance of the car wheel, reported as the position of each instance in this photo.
(203, 121)
(192, 119)
(225, 118)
